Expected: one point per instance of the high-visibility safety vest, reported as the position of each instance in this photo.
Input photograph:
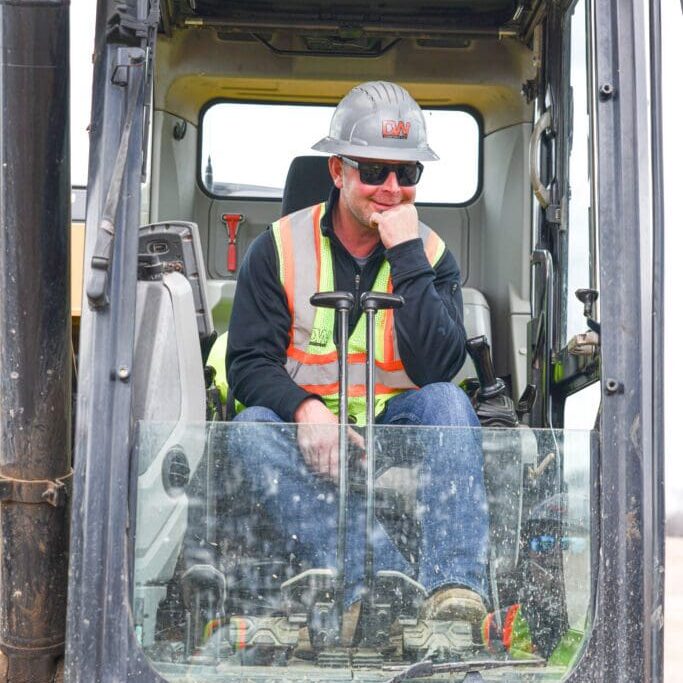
(508, 631)
(306, 267)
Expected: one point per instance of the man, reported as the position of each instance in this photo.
(281, 354)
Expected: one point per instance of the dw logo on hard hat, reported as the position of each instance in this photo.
(395, 129)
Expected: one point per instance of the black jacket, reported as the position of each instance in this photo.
(429, 327)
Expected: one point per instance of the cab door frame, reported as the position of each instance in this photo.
(625, 642)
(625, 638)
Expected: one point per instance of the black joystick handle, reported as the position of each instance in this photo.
(337, 300)
(375, 301)
(587, 297)
(480, 352)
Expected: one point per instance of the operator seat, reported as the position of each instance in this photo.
(308, 182)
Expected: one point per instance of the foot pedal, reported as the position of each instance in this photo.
(266, 632)
(397, 599)
(309, 599)
(334, 659)
(443, 639)
(403, 594)
(368, 659)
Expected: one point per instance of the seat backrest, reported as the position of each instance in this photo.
(308, 182)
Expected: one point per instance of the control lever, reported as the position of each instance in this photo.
(371, 302)
(493, 406)
(203, 587)
(480, 352)
(310, 599)
(342, 303)
(397, 596)
(588, 297)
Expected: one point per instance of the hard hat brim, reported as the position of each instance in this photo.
(359, 151)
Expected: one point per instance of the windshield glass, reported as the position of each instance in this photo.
(236, 544)
(232, 167)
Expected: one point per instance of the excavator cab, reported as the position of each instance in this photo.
(204, 112)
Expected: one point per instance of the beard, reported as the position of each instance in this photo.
(361, 215)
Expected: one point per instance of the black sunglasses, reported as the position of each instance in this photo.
(376, 172)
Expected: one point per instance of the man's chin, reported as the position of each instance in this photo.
(365, 221)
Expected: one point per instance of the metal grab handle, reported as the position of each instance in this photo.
(100, 263)
(542, 257)
(541, 192)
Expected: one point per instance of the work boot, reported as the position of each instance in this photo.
(454, 604)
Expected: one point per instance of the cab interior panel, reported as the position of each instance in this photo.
(490, 235)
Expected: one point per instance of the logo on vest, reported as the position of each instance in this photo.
(395, 129)
(319, 337)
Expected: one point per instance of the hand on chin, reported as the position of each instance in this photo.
(396, 224)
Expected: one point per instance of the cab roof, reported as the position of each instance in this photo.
(382, 16)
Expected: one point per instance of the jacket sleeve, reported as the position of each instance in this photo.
(429, 327)
(259, 335)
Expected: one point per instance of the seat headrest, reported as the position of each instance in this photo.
(308, 182)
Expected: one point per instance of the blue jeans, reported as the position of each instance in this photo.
(451, 508)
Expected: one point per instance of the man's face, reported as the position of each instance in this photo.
(362, 200)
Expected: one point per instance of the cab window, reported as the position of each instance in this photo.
(232, 165)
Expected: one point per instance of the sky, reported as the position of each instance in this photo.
(672, 60)
(81, 49)
(83, 20)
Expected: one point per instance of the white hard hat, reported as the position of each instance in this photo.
(378, 120)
